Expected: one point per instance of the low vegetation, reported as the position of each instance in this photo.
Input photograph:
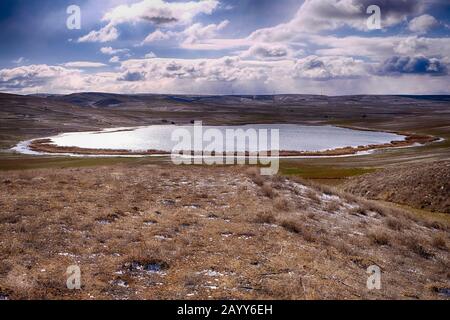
(423, 186)
(166, 232)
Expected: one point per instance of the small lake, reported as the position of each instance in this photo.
(293, 137)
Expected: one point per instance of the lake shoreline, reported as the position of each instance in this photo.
(46, 145)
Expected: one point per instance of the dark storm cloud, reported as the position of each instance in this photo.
(394, 8)
(132, 76)
(412, 65)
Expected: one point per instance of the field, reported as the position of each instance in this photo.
(157, 232)
(142, 228)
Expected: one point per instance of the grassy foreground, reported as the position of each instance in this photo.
(166, 232)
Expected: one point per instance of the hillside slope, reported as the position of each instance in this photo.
(424, 185)
(167, 232)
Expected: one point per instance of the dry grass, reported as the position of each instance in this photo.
(151, 232)
(281, 204)
(265, 217)
(380, 237)
(394, 224)
(439, 242)
(332, 206)
(293, 224)
(423, 186)
(268, 191)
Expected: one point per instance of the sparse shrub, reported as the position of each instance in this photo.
(358, 210)
(330, 191)
(332, 206)
(265, 217)
(312, 195)
(278, 182)
(193, 280)
(344, 248)
(394, 224)
(268, 190)
(379, 237)
(256, 176)
(293, 225)
(420, 250)
(439, 242)
(312, 216)
(347, 196)
(258, 180)
(281, 203)
(434, 225)
(374, 207)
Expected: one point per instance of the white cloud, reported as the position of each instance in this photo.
(157, 12)
(38, 77)
(378, 48)
(291, 57)
(221, 76)
(105, 34)
(114, 59)
(423, 24)
(198, 32)
(110, 51)
(158, 35)
(84, 64)
(150, 55)
(190, 36)
(325, 68)
(267, 52)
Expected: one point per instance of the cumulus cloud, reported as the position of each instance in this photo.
(423, 24)
(220, 76)
(412, 65)
(157, 12)
(36, 76)
(150, 55)
(84, 64)
(105, 34)
(198, 32)
(377, 48)
(190, 36)
(132, 76)
(114, 59)
(325, 68)
(291, 57)
(265, 51)
(158, 35)
(226, 69)
(322, 15)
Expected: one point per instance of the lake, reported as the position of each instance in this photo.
(292, 137)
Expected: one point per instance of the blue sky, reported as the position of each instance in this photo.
(225, 46)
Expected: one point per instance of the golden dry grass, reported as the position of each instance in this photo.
(166, 232)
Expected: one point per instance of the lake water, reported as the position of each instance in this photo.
(292, 137)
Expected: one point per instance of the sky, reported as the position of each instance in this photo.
(332, 47)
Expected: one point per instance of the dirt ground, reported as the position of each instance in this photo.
(167, 232)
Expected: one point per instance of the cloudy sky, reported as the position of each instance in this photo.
(225, 47)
